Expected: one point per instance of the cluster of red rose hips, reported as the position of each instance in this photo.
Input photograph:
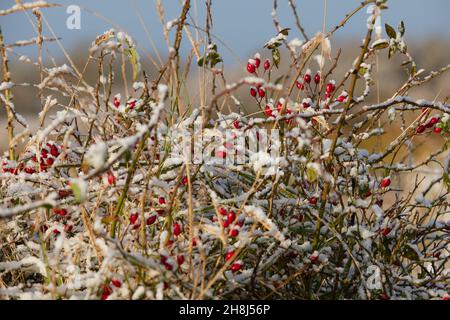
(280, 108)
(253, 64)
(60, 215)
(106, 290)
(131, 104)
(177, 229)
(11, 167)
(330, 87)
(48, 155)
(235, 266)
(134, 217)
(229, 221)
(429, 124)
(257, 92)
(304, 82)
(307, 80)
(165, 261)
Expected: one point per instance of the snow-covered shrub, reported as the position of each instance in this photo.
(143, 194)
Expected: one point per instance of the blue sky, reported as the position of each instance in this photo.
(242, 24)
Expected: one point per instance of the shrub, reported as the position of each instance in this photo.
(150, 195)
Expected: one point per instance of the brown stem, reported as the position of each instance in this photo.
(9, 111)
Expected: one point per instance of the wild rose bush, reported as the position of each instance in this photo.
(123, 194)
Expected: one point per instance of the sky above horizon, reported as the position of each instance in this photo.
(242, 25)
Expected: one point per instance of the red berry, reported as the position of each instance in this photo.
(266, 64)
(136, 226)
(231, 216)
(434, 120)
(168, 266)
(329, 88)
(234, 233)
(421, 128)
(161, 201)
(307, 78)
(185, 181)
(300, 85)
(385, 231)
(237, 124)
(132, 104)
(437, 129)
(176, 229)
(225, 223)
(62, 212)
(50, 161)
(133, 218)
(54, 151)
(317, 78)
(313, 200)
(111, 178)
(385, 182)
(279, 107)
(251, 68)
(29, 170)
(151, 220)
(223, 211)
(116, 283)
(235, 267)
(106, 292)
(63, 193)
(341, 98)
(268, 111)
(257, 61)
(116, 102)
(44, 153)
(229, 255)
(221, 154)
(180, 260)
(314, 257)
(253, 92)
(160, 212)
(305, 105)
(261, 92)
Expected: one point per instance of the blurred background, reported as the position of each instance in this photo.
(240, 28)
